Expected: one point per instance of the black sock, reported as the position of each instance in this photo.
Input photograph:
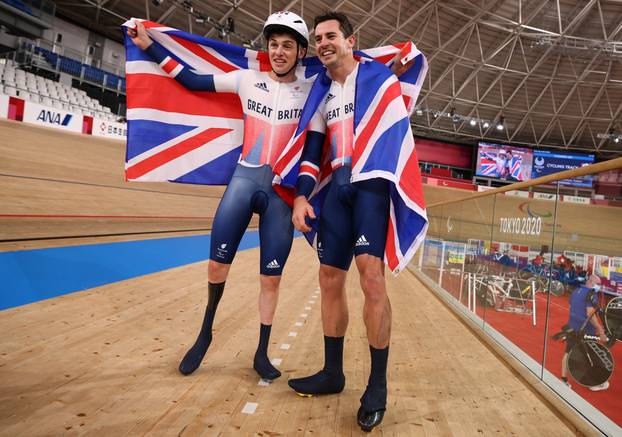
(333, 354)
(194, 356)
(375, 396)
(379, 359)
(261, 362)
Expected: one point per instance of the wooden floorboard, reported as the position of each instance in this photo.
(104, 362)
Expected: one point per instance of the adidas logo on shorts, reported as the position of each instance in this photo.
(273, 264)
(262, 86)
(362, 241)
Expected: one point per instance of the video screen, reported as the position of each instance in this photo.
(504, 162)
(546, 162)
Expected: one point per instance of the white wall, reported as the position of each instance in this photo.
(75, 38)
(112, 48)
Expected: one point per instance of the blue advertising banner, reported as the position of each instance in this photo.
(546, 162)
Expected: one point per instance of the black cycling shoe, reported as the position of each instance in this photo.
(322, 383)
(368, 421)
(373, 406)
(264, 367)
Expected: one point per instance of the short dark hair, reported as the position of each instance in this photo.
(344, 23)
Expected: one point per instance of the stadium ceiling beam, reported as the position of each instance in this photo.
(562, 106)
(380, 20)
(578, 118)
(578, 19)
(581, 126)
(615, 120)
(532, 106)
(472, 23)
(372, 13)
(100, 4)
(235, 6)
(509, 39)
(166, 14)
(412, 17)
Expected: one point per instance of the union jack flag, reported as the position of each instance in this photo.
(384, 147)
(488, 165)
(516, 167)
(179, 135)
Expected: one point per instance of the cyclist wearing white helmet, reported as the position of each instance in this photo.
(272, 103)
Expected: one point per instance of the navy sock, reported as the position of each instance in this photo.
(375, 396)
(333, 354)
(261, 362)
(194, 356)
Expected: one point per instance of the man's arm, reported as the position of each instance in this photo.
(595, 321)
(183, 75)
(308, 173)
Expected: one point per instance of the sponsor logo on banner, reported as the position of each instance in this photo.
(545, 196)
(576, 199)
(517, 193)
(51, 117)
(484, 188)
(109, 129)
(4, 106)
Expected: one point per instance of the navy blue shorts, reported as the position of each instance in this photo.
(354, 219)
(250, 191)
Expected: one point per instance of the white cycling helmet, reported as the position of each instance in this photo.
(289, 22)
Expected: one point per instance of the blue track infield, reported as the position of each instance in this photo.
(33, 275)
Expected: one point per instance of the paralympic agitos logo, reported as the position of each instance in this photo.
(525, 207)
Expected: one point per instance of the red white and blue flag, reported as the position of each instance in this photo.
(175, 134)
(516, 167)
(179, 135)
(488, 165)
(384, 147)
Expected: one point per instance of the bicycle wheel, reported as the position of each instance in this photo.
(613, 318)
(590, 363)
(557, 288)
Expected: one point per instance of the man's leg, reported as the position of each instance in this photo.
(334, 303)
(231, 219)
(217, 275)
(370, 223)
(276, 233)
(335, 241)
(268, 299)
(377, 307)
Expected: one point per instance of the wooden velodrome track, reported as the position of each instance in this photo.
(103, 361)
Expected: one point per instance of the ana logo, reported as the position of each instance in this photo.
(273, 264)
(54, 118)
(262, 86)
(362, 241)
(526, 208)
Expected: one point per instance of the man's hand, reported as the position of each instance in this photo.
(398, 68)
(302, 209)
(139, 36)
